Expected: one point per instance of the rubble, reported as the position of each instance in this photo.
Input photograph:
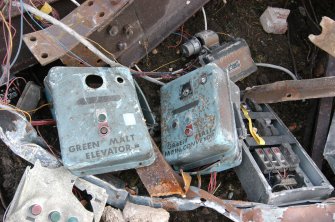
(273, 20)
(100, 130)
(138, 213)
(111, 214)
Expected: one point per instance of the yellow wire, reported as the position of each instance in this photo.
(17, 109)
(165, 65)
(105, 50)
(259, 140)
(34, 110)
(222, 33)
(9, 31)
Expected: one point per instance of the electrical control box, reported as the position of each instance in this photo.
(198, 121)
(234, 56)
(279, 172)
(100, 123)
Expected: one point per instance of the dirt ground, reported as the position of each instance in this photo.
(237, 18)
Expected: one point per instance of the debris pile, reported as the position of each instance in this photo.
(104, 129)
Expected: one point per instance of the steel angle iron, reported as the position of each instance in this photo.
(198, 122)
(100, 123)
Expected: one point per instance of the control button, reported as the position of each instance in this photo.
(73, 219)
(189, 130)
(54, 216)
(36, 209)
(102, 117)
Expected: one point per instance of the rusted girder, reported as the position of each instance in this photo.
(290, 90)
(160, 179)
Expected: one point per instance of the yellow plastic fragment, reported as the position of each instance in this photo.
(46, 8)
(259, 140)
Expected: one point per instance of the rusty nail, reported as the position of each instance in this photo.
(113, 31)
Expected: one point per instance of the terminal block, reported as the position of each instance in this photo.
(280, 171)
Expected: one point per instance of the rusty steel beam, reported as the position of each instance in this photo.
(290, 90)
(85, 19)
(129, 35)
(26, 58)
(160, 179)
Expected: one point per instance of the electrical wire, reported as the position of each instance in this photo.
(34, 110)
(165, 64)
(267, 65)
(149, 78)
(21, 36)
(70, 31)
(75, 2)
(205, 17)
(60, 43)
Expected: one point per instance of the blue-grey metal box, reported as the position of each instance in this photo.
(99, 119)
(198, 124)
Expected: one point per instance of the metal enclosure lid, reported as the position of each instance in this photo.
(199, 128)
(101, 129)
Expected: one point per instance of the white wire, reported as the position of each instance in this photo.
(205, 17)
(80, 38)
(277, 67)
(149, 78)
(75, 2)
(69, 30)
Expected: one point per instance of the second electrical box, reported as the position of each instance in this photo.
(198, 123)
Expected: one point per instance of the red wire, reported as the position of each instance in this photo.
(45, 122)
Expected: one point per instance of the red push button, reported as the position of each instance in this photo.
(36, 209)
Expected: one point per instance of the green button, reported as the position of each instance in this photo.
(73, 219)
(54, 216)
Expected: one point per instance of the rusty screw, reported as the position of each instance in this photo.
(128, 30)
(113, 31)
(122, 46)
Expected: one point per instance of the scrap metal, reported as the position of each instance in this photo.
(21, 137)
(101, 125)
(46, 194)
(198, 126)
(85, 19)
(279, 171)
(326, 40)
(290, 90)
(129, 34)
(160, 179)
(323, 120)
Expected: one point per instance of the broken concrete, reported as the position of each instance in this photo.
(111, 214)
(138, 213)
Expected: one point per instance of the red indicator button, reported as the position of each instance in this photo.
(36, 209)
(189, 130)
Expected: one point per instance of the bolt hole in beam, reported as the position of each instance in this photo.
(44, 55)
(33, 38)
(289, 95)
(99, 61)
(120, 80)
(101, 14)
(94, 81)
(90, 3)
(203, 199)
